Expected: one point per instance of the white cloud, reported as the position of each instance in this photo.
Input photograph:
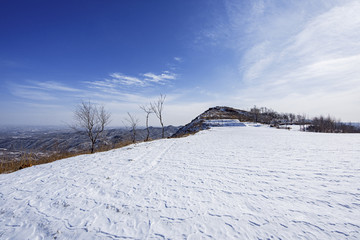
(161, 78)
(258, 7)
(106, 83)
(255, 68)
(41, 91)
(51, 85)
(28, 93)
(178, 59)
(127, 80)
(120, 82)
(315, 69)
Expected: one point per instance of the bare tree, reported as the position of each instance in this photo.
(256, 112)
(92, 119)
(148, 110)
(157, 108)
(304, 121)
(300, 119)
(133, 121)
(292, 117)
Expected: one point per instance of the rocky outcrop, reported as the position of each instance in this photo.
(203, 121)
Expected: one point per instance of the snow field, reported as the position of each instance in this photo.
(223, 183)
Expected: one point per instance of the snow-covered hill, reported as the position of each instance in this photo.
(223, 183)
(214, 117)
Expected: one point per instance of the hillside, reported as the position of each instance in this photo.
(240, 182)
(203, 121)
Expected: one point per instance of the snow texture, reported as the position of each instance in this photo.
(222, 183)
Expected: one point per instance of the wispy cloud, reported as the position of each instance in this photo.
(178, 59)
(123, 88)
(127, 80)
(42, 106)
(324, 50)
(119, 82)
(32, 94)
(40, 91)
(106, 83)
(301, 55)
(52, 85)
(160, 79)
(295, 56)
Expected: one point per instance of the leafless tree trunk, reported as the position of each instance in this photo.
(148, 111)
(92, 119)
(304, 121)
(133, 121)
(256, 113)
(157, 108)
(292, 117)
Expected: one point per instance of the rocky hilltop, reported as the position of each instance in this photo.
(211, 117)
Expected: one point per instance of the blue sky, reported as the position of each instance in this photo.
(292, 56)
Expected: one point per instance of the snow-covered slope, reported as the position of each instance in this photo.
(222, 183)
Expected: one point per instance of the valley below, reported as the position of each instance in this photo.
(17, 143)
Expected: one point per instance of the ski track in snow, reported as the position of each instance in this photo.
(223, 183)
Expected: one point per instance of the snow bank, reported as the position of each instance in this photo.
(223, 183)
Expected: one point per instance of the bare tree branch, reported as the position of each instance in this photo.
(92, 119)
(133, 121)
(157, 108)
(148, 110)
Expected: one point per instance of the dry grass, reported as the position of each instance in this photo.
(186, 134)
(8, 165)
